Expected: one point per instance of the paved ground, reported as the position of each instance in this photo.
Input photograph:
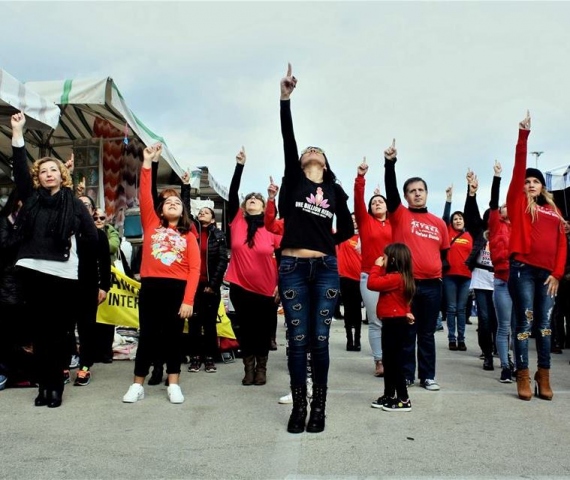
(474, 427)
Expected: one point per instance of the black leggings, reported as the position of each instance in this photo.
(205, 317)
(394, 335)
(352, 301)
(255, 313)
(160, 325)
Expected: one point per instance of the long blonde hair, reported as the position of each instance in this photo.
(548, 198)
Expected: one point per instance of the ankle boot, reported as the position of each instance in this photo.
(156, 376)
(260, 371)
(42, 398)
(316, 423)
(54, 398)
(357, 338)
(349, 340)
(299, 412)
(249, 369)
(523, 384)
(542, 386)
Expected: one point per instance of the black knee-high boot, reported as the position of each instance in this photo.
(357, 337)
(316, 421)
(299, 412)
(349, 339)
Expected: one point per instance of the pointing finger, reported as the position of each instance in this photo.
(364, 160)
(393, 143)
(271, 180)
(289, 70)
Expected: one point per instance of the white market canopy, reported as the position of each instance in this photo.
(84, 100)
(42, 115)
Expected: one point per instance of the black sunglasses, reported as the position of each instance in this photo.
(99, 218)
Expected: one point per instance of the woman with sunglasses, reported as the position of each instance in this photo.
(252, 274)
(308, 273)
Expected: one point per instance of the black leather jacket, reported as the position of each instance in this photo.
(216, 255)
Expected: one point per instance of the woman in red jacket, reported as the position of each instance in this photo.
(538, 253)
(457, 276)
(375, 233)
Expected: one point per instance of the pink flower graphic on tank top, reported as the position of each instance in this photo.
(167, 245)
(318, 199)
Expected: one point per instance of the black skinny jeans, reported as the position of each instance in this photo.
(395, 332)
(352, 300)
(205, 317)
(160, 325)
(254, 314)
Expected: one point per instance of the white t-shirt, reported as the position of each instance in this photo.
(67, 269)
(482, 279)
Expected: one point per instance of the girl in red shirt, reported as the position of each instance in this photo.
(392, 276)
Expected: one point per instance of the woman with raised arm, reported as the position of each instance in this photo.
(499, 237)
(252, 274)
(375, 233)
(54, 230)
(538, 253)
(456, 275)
(308, 273)
(170, 270)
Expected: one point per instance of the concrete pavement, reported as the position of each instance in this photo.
(475, 427)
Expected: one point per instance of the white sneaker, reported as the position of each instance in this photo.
(134, 393)
(286, 399)
(430, 384)
(175, 394)
(74, 363)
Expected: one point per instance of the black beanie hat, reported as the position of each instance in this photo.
(536, 173)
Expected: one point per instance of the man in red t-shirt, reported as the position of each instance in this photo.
(427, 237)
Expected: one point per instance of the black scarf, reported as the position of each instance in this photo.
(60, 210)
(253, 223)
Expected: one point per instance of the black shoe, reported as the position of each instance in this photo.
(452, 346)
(156, 377)
(468, 322)
(488, 364)
(316, 423)
(54, 399)
(298, 416)
(349, 345)
(41, 400)
(461, 346)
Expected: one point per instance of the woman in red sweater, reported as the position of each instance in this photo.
(538, 253)
(375, 233)
(392, 276)
(170, 270)
(456, 276)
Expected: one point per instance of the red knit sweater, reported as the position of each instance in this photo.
(391, 302)
(541, 243)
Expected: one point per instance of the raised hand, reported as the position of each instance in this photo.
(390, 153)
(80, 188)
(152, 153)
(377, 190)
(525, 123)
(18, 120)
(272, 189)
(497, 169)
(70, 164)
(473, 186)
(241, 157)
(469, 176)
(449, 193)
(288, 83)
(185, 178)
(362, 168)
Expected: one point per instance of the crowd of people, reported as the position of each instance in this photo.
(301, 248)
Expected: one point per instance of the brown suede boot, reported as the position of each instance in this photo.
(523, 384)
(249, 369)
(260, 371)
(542, 387)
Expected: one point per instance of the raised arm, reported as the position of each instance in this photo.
(519, 169)
(472, 216)
(344, 224)
(393, 199)
(447, 208)
(146, 199)
(496, 187)
(272, 224)
(233, 195)
(292, 165)
(22, 176)
(360, 209)
(154, 187)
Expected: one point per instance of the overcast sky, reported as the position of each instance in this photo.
(449, 81)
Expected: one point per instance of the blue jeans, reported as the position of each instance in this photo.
(456, 292)
(532, 308)
(370, 299)
(425, 307)
(505, 319)
(309, 289)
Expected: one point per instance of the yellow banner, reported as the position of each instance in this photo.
(121, 307)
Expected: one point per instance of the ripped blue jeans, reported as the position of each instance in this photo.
(532, 307)
(309, 289)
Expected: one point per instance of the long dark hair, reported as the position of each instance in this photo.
(12, 206)
(184, 225)
(399, 259)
